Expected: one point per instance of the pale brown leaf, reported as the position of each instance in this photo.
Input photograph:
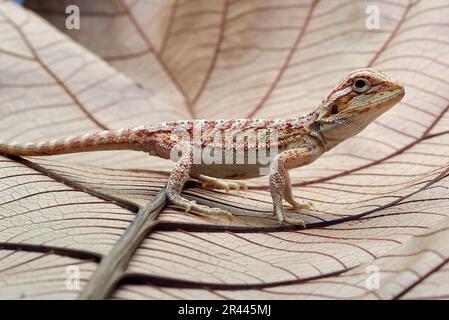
(381, 197)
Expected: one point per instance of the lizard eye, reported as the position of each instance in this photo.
(361, 85)
(334, 109)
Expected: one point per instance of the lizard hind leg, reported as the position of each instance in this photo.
(176, 182)
(219, 183)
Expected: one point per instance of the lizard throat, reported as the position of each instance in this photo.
(315, 131)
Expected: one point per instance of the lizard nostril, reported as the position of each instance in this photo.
(398, 85)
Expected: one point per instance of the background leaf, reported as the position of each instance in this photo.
(381, 197)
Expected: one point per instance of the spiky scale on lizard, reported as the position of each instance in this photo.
(354, 103)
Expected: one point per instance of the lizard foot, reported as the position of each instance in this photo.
(283, 218)
(192, 206)
(293, 221)
(221, 183)
(300, 205)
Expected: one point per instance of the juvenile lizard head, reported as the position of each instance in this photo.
(356, 102)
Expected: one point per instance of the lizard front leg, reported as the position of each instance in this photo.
(280, 181)
(289, 197)
(176, 182)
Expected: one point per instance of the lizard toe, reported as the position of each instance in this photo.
(301, 205)
(295, 221)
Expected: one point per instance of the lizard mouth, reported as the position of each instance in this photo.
(387, 100)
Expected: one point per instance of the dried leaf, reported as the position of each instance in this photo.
(381, 226)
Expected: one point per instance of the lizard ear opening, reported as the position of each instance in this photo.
(334, 109)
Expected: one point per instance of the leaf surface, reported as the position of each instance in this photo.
(381, 197)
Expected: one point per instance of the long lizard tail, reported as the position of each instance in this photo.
(121, 139)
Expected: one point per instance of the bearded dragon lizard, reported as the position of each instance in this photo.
(354, 103)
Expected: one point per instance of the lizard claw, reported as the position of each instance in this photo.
(226, 185)
(295, 221)
(189, 206)
(242, 185)
(300, 205)
(282, 218)
(192, 206)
